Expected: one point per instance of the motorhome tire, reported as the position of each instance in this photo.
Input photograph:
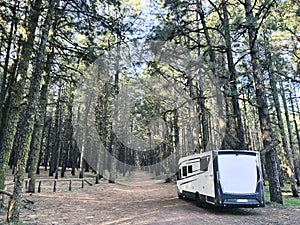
(198, 200)
(180, 196)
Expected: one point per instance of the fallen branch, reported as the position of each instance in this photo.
(88, 182)
(27, 201)
(6, 193)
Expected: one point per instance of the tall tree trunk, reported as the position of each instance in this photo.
(175, 136)
(296, 153)
(84, 141)
(27, 117)
(290, 134)
(41, 109)
(37, 135)
(4, 84)
(248, 140)
(37, 131)
(274, 91)
(272, 168)
(55, 154)
(73, 157)
(17, 96)
(201, 98)
(287, 151)
(48, 148)
(6, 108)
(200, 94)
(103, 121)
(295, 119)
(240, 133)
(114, 142)
(68, 134)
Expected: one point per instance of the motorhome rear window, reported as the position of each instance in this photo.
(238, 173)
(184, 171)
(204, 163)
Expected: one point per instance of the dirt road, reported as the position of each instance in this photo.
(155, 203)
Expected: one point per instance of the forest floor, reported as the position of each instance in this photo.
(142, 200)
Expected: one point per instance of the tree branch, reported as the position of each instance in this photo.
(6, 193)
(270, 147)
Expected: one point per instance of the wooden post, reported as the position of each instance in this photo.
(82, 183)
(39, 187)
(54, 186)
(70, 186)
(1, 201)
(10, 204)
(26, 185)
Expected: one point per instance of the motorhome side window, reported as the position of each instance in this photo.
(204, 163)
(184, 171)
(190, 169)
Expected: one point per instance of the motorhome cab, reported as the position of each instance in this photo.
(223, 178)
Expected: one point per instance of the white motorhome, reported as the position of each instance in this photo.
(223, 178)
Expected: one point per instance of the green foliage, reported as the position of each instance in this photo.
(298, 12)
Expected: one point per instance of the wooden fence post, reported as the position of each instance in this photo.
(39, 187)
(26, 185)
(1, 201)
(10, 204)
(54, 186)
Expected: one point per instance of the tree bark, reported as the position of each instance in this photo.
(274, 91)
(55, 154)
(41, 109)
(239, 128)
(201, 97)
(272, 168)
(17, 96)
(293, 157)
(295, 119)
(287, 151)
(295, 153)
(27, 117)
(114, 141)
(4, 84)
(84, 142)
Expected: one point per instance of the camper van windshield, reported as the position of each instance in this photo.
(238, 173)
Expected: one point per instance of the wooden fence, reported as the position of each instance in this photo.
(71, 182)
(55, 181)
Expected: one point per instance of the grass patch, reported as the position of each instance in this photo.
(287, 198)
(291, 202)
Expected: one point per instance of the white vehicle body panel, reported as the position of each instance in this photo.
(222, 178)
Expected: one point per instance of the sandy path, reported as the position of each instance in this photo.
(154, 203)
